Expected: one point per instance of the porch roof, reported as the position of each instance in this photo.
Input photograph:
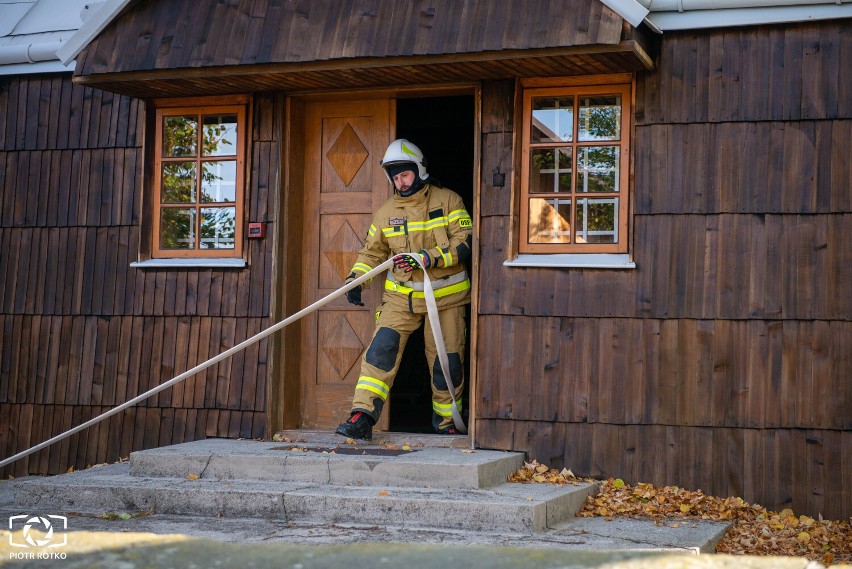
(176, 48)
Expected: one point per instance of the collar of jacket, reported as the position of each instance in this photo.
(414, 199)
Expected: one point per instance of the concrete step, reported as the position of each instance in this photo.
(331, 462)
(379, 438)
(502, 507)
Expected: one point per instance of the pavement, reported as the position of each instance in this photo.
(129, 536)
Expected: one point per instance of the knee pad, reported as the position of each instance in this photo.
(438, 379)
(383, 349)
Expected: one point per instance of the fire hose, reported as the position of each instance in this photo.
(431, 309)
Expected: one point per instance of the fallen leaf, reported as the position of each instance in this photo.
(384, 493)
(192, 476)
(406, 446)
(753, 530)
(468, 451)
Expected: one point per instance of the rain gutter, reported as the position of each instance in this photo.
(662, 15)
(23, 59)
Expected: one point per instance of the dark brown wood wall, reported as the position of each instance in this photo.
(81, 330)
(723, 361)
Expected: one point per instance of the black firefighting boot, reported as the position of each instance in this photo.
(358, 426)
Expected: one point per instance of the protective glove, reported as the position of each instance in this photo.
(354, 296)
(408, 262)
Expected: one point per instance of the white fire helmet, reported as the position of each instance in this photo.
(401, 151)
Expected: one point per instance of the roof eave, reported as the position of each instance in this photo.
(703, 19)
(54, 66)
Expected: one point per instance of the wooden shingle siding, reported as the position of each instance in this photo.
(710, 373)
(248, 32)
(722, 361)
(712, 266)
(768, 167)
(82, 331)
(769, 73)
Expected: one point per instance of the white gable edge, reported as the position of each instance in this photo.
(90, 29)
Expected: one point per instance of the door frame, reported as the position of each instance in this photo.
(283, 385)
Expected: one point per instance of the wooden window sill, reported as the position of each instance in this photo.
(574, 261)
(191, 263)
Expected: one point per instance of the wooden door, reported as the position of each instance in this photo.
(344, 185)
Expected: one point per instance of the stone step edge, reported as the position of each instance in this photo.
(507, 506)
(439, 467)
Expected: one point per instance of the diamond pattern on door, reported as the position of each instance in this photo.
(342, 249)
(341, 345)
(347, 154)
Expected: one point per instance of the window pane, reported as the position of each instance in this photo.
(597, 168)
(219, 181)
(552, 119)
(548, 220)
(600, 118)
(550, 170)
(597, 220)
(180, 136)
(220, 135)
(178, 183)
(218, 227)
(177, 228)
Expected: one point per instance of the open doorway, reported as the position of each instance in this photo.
(443, 128)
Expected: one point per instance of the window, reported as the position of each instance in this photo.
(575, 169)
(199, 179)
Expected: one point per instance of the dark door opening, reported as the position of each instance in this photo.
(443, 128)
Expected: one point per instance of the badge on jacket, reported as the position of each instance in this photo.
(396, 221)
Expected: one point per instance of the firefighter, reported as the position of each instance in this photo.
(426, 222)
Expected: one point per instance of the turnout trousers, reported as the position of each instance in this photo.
(381, 361)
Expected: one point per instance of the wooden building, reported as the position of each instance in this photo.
(662, 203)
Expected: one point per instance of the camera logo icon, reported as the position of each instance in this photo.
(38, 531)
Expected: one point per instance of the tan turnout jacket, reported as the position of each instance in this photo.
(435, 220)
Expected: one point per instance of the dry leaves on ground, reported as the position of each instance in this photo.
(754, 529)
